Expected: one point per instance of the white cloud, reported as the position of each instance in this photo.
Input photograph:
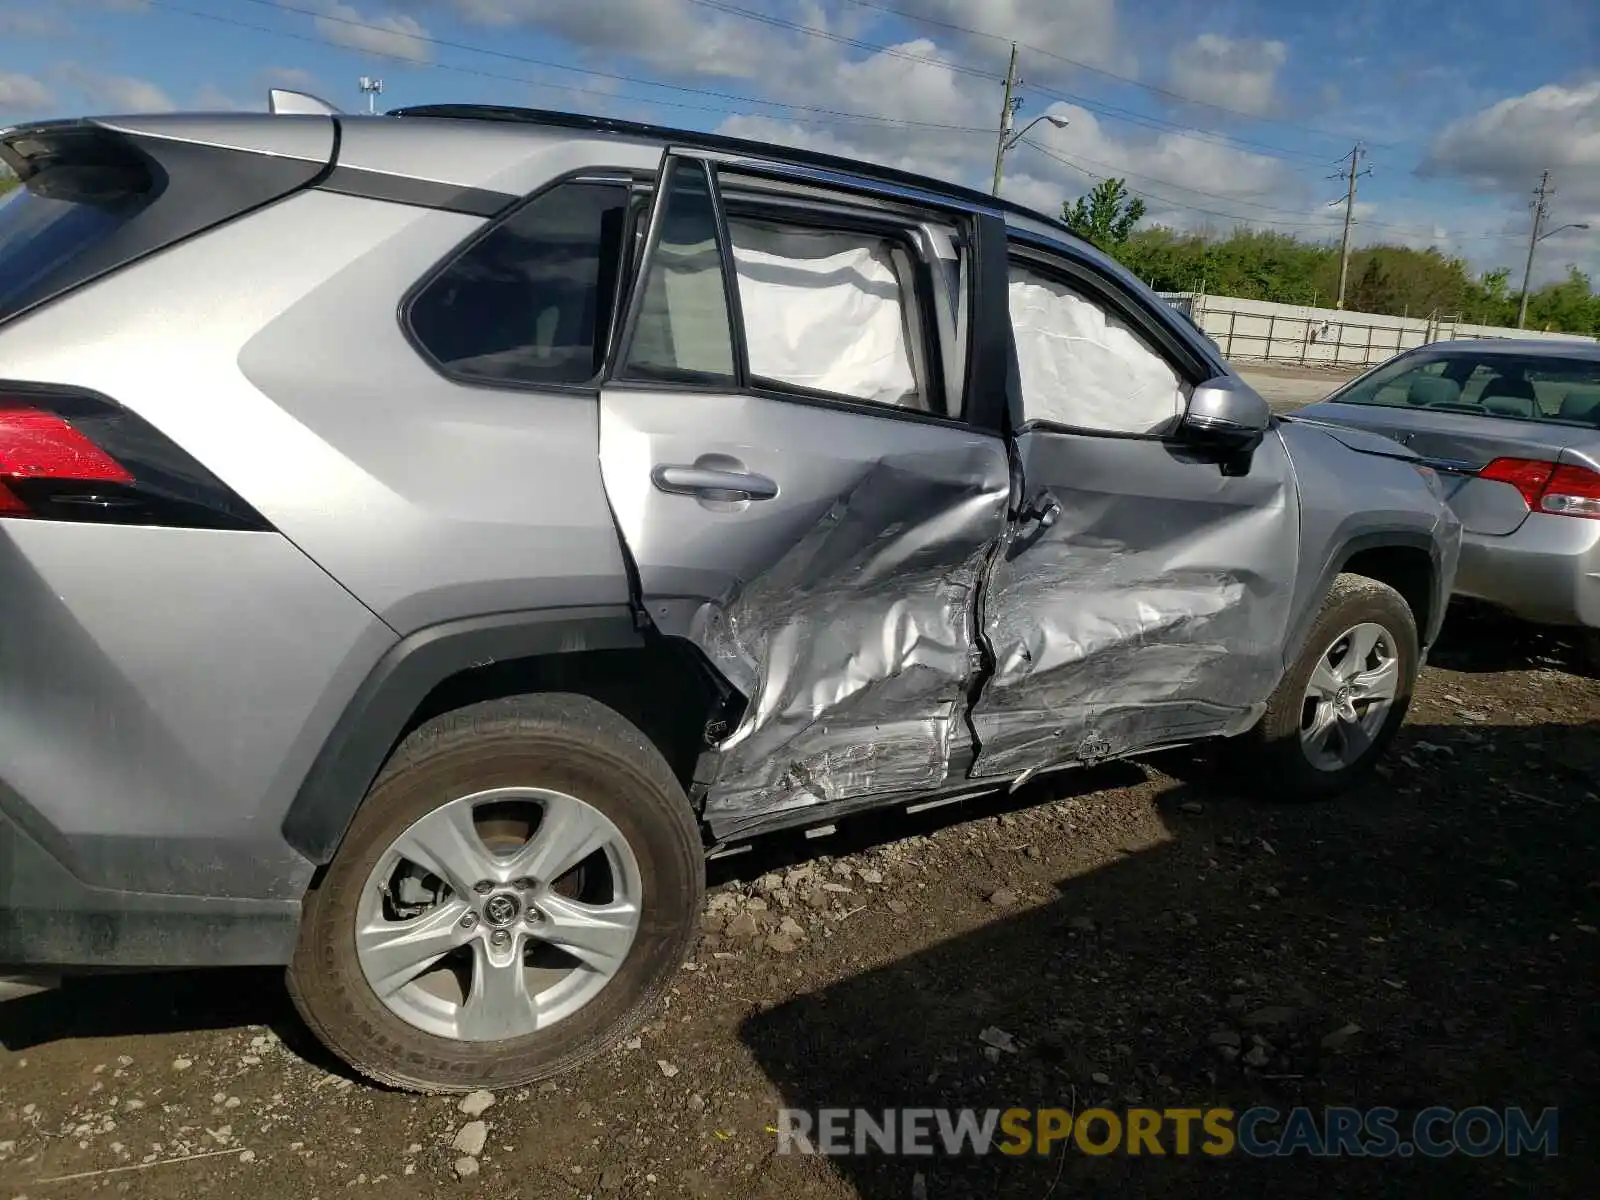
(21, 93)
(117, 93)
(211, 98)
(1504, 148)
(290, 77)
(1235, 73)
(390, 35)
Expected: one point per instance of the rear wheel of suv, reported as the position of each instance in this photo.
(520, 883)
(1340, 704)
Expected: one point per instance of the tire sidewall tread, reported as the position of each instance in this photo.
(567, 743)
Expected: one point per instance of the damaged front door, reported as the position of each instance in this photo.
(798, 496)
(1144, 594)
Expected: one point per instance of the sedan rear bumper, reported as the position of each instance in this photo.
(1547, 571)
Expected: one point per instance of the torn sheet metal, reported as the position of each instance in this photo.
(857, 647)
(1153, 611)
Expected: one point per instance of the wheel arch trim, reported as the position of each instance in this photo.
(1348, 548)
(378, 714)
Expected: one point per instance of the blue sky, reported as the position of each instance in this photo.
(1221, 113)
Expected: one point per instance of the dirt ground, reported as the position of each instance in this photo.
(1142, 933)
(1287, 386)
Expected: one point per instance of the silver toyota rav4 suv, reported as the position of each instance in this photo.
(424, 537)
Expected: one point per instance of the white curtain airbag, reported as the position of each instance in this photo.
(1082, 366)
(825, 311)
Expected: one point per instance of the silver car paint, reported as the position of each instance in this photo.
(1397, 507)
(306, 137)
(1153, 610)
(214, 664)
(163, 692)
(842, 609)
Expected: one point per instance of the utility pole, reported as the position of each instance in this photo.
(1349, 203)
(1007, 111)
(1541, 209)
(371, 88)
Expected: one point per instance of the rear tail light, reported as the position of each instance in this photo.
(75, 456)
(1563, 489)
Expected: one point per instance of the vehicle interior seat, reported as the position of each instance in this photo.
(1509, 396)
(1581, 404)
(1427, 390)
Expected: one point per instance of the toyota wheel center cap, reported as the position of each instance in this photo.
(501, 909)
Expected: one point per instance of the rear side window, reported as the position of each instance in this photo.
(530, 302)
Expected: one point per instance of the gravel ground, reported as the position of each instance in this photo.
(1138, 934)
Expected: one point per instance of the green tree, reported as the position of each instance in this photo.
(1106, 216)
(7, 182)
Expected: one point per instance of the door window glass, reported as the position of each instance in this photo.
(683, 329)
(1083, 366)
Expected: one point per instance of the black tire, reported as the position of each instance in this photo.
(1272, 756)
(564, 742)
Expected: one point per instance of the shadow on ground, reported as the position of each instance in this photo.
(1480, 640)
(1450, 913)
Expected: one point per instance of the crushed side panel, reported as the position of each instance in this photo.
(856, 647)
(1153, 611)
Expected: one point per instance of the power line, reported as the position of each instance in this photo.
(1213, 136)
(1176, 203)
(444, 43)
(1083, 66)
(1075, 164)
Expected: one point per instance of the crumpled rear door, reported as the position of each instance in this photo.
(826, 558)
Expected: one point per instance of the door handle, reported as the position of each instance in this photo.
(711, 483)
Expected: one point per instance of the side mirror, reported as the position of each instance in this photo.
(1226, 413)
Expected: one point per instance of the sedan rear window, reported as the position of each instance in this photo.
(1518, 387)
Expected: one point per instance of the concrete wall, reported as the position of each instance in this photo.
(1260, 329)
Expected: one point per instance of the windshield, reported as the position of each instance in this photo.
(1532, 387)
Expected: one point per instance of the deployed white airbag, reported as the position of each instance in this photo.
(824, 310)
(1082, 366)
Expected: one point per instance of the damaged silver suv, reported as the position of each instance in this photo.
(423, 537)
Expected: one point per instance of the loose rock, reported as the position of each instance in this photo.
(475, 1104)
(1003, 898)
(466, 1168)
(470, 1138)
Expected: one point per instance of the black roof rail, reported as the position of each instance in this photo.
(725, 144)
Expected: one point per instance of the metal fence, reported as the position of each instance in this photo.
(1255, 330)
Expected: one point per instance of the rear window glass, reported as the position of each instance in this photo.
(1532, 387)
(75, 192)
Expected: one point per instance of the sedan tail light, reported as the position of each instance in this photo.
(1563, 489)
(68, 455)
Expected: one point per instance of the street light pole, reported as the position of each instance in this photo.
(1540, 209)
(1010, 143)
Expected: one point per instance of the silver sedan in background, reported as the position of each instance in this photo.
(1513, 428)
